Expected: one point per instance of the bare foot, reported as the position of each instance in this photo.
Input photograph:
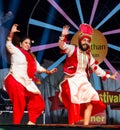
(30, 123)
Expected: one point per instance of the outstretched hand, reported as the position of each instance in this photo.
(114, 76)
(14, 28)
(51, 71)
(65, 30)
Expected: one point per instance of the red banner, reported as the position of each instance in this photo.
(97, 119)
(110, 97)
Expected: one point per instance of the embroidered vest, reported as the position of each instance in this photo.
(71, 63)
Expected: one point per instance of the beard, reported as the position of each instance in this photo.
(84, 47)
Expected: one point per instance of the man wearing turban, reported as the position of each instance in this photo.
(76, 92)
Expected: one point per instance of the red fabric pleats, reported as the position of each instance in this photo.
(19, 97)
(76, 111)
(73, 109)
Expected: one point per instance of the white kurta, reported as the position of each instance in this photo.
(18, 68)
(81, 90)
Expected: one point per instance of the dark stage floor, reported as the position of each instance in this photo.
(57, 126)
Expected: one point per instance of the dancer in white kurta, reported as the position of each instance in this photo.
(19, 66)
(20, 83)
(76, 92)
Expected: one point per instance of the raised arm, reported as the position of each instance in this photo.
(13, 30)
(62, 38)
(10, 47)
